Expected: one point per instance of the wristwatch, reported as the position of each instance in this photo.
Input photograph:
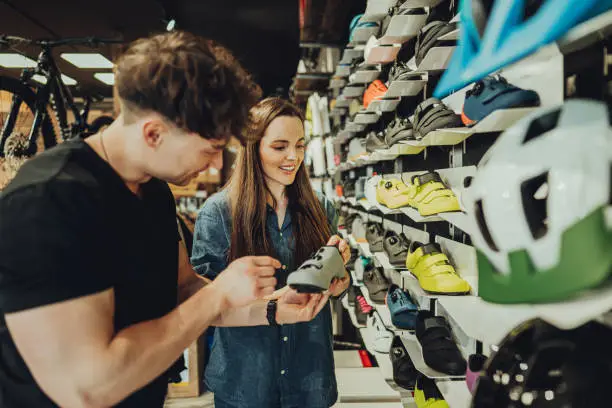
(271, 312)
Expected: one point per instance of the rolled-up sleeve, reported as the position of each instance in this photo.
(211, 239)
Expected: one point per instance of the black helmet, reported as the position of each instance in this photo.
(540, 366)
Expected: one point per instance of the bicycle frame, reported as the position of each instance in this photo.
(62, 97)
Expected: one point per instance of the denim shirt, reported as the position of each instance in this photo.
(290, 366)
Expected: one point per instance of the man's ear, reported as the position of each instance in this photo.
(154, 131)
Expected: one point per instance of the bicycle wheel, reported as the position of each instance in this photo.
(23, 120)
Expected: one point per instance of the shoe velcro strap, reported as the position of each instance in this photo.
(433, 192)
(426, 178)
(437, 264)
(432, 114)
(436, 322)
(431, 248)
(499, 92)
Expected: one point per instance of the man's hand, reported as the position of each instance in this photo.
(246, 280)
(343, 247)
(293, 307)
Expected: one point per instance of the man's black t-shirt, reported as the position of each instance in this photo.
(70, 227)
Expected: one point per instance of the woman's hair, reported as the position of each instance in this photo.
(248, 193)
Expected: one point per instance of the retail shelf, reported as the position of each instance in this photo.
(384, 105)
(356, 283)
(403, 27)
(361, 35)
(436, 59)
(366, 118)
(367, 334)
(353, 91)
(353, 242)
(337, 83)
(363, 202)
(383, 54)
(406, 88)
(452, 36)
(342, 70)
(365, 249)
(338, 111)
(463, 258)
(342, 102)
(416, 217)
(398, 149)
(376, 10)
(420, 3)
(455, 393)
(383, 258)
(496, 122)
(345, 135)
(383, 310)
(385, 365)
(364, 76)
(586, 33)
(423, 299)
(496, 320)
(354, 127)
(413, 347)
(351, 54)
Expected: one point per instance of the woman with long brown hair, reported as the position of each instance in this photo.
(269, 207)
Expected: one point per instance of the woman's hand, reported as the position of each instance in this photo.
(293, 307)
(343, 247)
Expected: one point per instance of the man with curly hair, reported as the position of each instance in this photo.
(97, 296)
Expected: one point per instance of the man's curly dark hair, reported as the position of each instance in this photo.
(192, 81)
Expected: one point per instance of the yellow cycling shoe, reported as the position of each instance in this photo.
(392, 193)
(434, 271)
(427, 394)
(430, 195)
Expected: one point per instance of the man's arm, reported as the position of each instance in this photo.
(78, 361)
(254, 314)
(74, 355)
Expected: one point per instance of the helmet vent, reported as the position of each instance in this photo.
(535, 197)
(482, 224)
(542, 124)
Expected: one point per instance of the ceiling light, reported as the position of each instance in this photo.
(65, 78)
(40, 78)
(16, 61)
(87, 60)
(68, 81)
(107, 77)
(171, 25)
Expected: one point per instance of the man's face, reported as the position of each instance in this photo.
(181, 155)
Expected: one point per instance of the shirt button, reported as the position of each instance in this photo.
(285, 338)
(282, 372)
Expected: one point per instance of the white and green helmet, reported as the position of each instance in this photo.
(538, 206)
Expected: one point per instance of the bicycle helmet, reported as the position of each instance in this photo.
(494, 34)
(537, 206)
(540, 366)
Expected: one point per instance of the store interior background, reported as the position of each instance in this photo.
(270, 38)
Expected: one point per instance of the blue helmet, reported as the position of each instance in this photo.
(491, 40)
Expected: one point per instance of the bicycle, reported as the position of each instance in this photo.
(28, 112)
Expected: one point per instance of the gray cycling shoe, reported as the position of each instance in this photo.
(316, 274)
